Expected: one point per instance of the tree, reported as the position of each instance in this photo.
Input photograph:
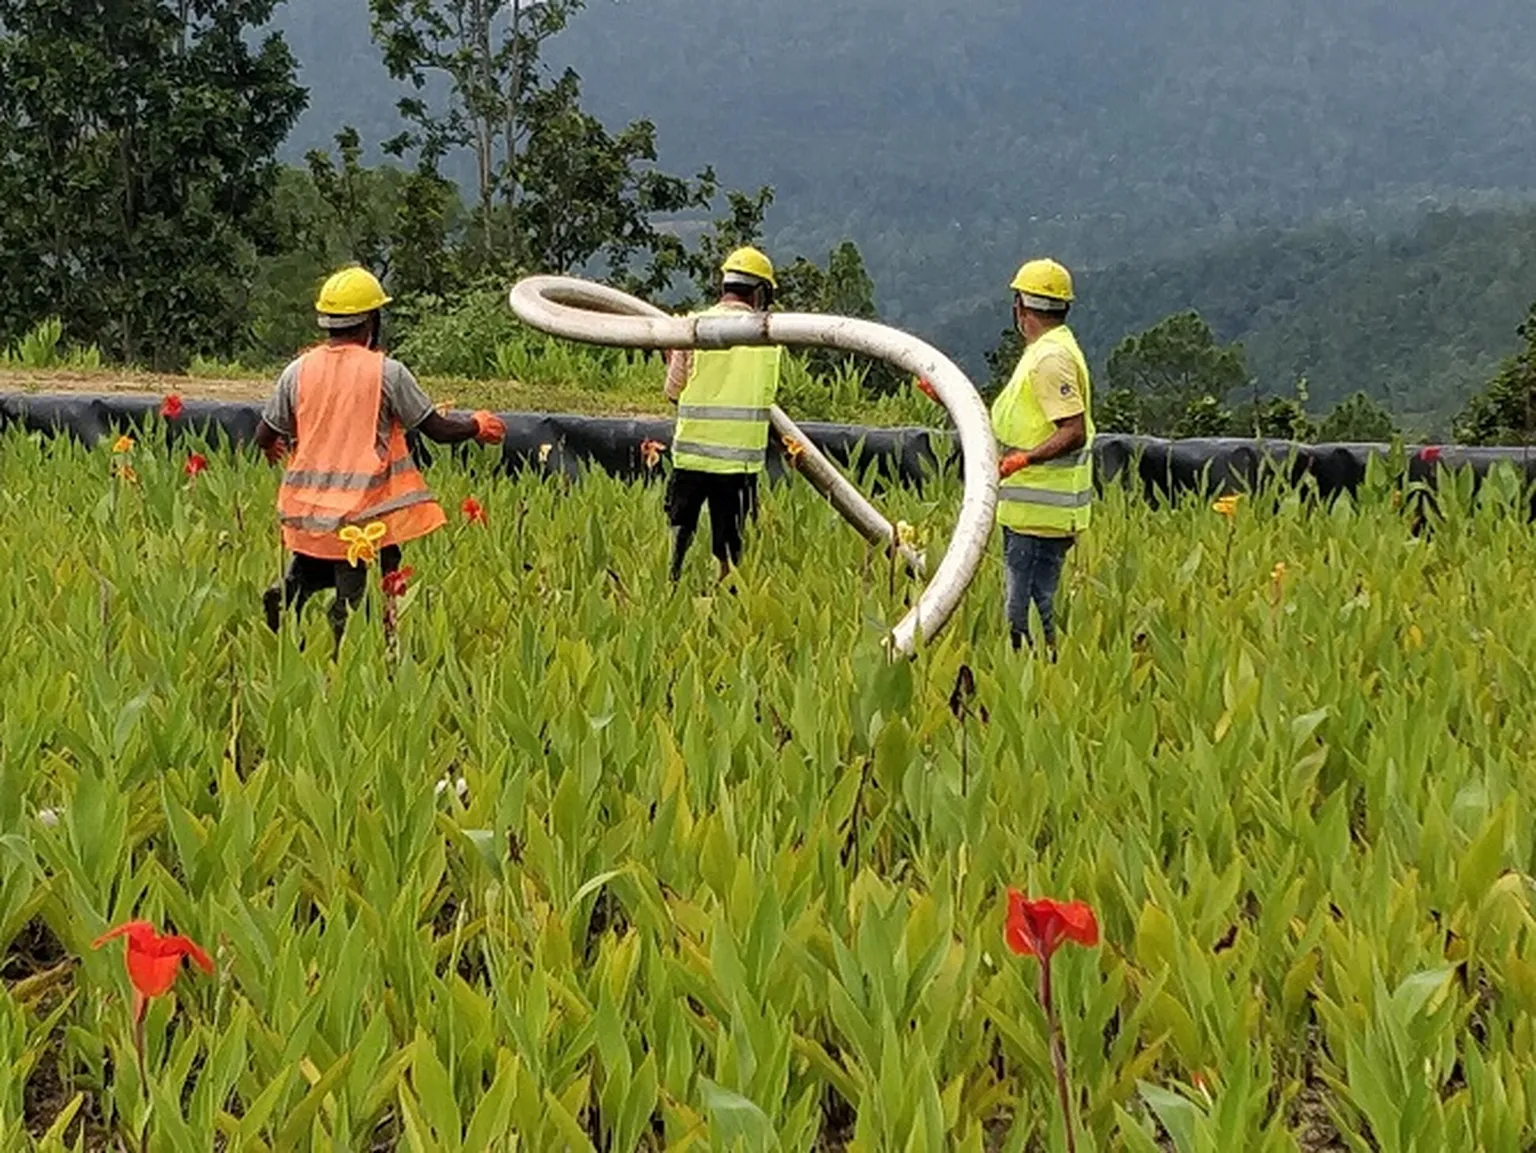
(138, 138)
(1004, 358)
(1357, 419)
(1179, 374)
(553, 187)
(1505, 411)
(842, 288)
(399, 224)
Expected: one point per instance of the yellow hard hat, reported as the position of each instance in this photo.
(348, 296)
(1044, 285)
(750, 262)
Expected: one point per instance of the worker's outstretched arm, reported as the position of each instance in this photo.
(453, 428)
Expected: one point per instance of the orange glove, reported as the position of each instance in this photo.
(928, 390)
(489, 428)
(1012, 463)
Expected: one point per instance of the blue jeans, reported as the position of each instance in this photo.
(1031, 574)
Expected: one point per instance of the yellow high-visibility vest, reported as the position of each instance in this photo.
(1055, 496)
(722, 414)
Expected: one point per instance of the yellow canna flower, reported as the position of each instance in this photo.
(905, 533)
(125, 473)
(544, 451)
(1415, 636)
(1227, 505)
(794, 450)
(363, 543)
(122, 444)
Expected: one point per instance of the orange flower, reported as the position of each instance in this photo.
(171, 407)
(1037, 928)
(794, 450)
(650, 452)
(1227, 505)
(474, 511)
(122, 444)
(153, 960)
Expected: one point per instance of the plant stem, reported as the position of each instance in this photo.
(1058, 1053)
(1226, 567)
(139, 1008)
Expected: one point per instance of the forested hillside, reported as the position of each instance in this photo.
(1347, 190)
(947, 138)
(1417, 318)
(1180, 152)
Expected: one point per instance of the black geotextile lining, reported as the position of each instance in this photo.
(566, 444)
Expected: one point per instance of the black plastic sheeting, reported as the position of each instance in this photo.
(909, 456)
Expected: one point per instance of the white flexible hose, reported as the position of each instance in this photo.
(596, 314)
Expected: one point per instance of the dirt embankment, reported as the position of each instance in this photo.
(120, 383)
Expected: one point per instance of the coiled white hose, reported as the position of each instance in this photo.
(596, 314)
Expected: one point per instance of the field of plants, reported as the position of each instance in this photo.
(582, 861)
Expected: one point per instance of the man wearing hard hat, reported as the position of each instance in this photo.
(1043, 420)
(722, 400)
(341, 412)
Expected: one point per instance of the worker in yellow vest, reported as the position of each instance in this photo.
(340, 414)
(722, 400)
(1043, 421)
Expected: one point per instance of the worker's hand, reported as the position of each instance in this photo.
(489, 428)
(928, 390)
(1012, 463)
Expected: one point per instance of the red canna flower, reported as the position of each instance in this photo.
(1430, 454)
(153, 960)
(171, 407)
(474, 511)
(395, 583)
(196, 463)
(1037, 928)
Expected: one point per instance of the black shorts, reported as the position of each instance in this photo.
(732, 500)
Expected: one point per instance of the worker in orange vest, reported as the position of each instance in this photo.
(341, 412)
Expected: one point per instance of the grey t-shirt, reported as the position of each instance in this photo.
(402, 400)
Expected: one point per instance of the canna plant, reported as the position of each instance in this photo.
(587, 862)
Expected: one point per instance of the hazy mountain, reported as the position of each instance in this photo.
(951, 138)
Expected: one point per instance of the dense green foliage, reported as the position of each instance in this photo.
(1176, 380)
(1170, 369)
(163, 238)
(716, 868)
(137, 145)
(1418, 319)
(1505, 411)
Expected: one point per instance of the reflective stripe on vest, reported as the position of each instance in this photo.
(722, 414)
(719, 451)
(1054, 496)
(1044, 496)
(347, 480)
(337, 475)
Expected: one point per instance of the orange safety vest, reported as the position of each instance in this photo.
(336, 475)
